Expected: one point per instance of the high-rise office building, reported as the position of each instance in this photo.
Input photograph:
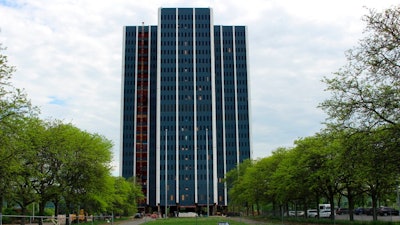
(185, 108)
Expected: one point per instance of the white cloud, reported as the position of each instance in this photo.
(68, 57)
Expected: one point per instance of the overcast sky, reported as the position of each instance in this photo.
(68, 55)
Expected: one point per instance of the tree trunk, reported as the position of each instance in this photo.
(1, 207)
(56, 208)
(23, 212)
(350, 198)
(41, 211)
(67, 212)
(331, 201)
(374, 199)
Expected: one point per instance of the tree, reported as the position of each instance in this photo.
(318, 155)
(14, 108)
(236, 188)
(31, 134)
(366, 91)
(288, 181)
(365, 102)
(81, 163)
(127, 193)
(378, 163)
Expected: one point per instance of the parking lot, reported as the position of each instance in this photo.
(368, 218)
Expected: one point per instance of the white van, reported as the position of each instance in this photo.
(324, 207)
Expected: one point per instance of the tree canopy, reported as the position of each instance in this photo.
(357, 156)
(366, 91)
(49, 161)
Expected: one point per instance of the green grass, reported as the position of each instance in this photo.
(194, 221)
(242, 221)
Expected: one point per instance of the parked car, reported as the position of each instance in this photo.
(359, 211)
(298, 213)
(387, 211)
(312, 213)
(369, 211)
(325, 213)
(341, 211)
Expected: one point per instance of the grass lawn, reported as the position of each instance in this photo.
(194, 221)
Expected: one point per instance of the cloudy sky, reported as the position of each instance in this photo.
(68, 55)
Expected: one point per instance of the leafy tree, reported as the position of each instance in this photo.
(253, 184)
(318, 154)
(290, 181)
(262, 175)
(14, 107)
(269, 168)
(366, 91)
(31, 134)
(365, 100)
(236, 188)
(81, 161)
(378, 163)
(350, 168)
(126, 195)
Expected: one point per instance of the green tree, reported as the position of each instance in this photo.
(350, 168)
(318, 155)
(30, 137)
(127, 193)
(237, 188)
(378, 163)
(270, 166)
(365, 102)
(83, 165)
(366, 91)
(14, 107)
(289, 181)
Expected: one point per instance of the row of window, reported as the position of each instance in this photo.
(185, 25)
(169, 16)
(227, 33)
(185, 197)
(184, 177)
(186, 34)
(198, 60)
(166, 51)
(187, 108)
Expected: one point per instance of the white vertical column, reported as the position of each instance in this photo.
(249, 94)
(158, 114)
(121, 138)
(166, 172)
(214, 111)
(208, 176)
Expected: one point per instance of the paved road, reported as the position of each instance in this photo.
(368, 218)
(135, 221)
(144, 220)
(253, 222)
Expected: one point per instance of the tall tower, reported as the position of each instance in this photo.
(185, 108)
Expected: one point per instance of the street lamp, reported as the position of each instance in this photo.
(208, 187)
(166, 173)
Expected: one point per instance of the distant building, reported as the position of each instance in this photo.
(185, 108)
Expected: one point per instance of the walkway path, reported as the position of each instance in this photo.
(135, 221)
(146, 219)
